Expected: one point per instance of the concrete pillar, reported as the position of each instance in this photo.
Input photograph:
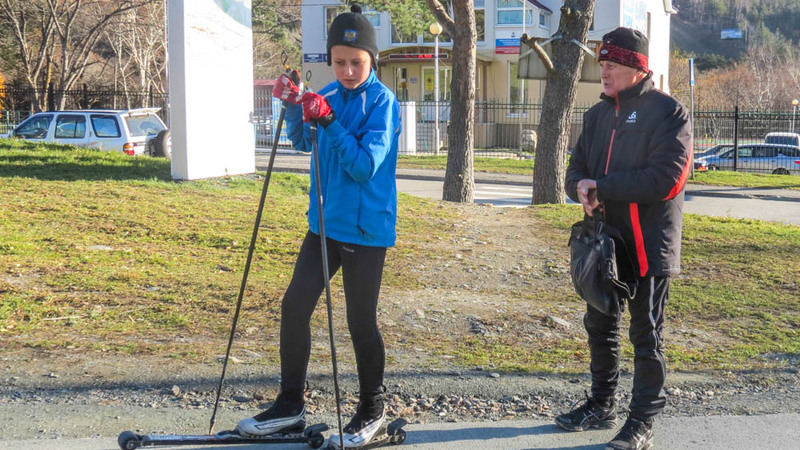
(408, 136)
(210, 51)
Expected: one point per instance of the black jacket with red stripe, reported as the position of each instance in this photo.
(638, 148)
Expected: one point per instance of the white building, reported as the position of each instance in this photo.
(406, 63)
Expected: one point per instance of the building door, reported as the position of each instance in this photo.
(428, 75)
(401, 84)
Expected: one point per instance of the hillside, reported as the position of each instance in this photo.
(696, 29)
(702, 39)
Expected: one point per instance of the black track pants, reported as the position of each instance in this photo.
(362, 268)
(647, 320)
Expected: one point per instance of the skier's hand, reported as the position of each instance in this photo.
(587, 194)
(316, 107)
(285, 89)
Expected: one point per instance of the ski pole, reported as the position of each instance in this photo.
(326, 276)
(249, 256)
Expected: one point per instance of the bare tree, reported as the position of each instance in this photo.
(138, 42)
(276, 32)
(563, 74)
(59, 37)
(33, 32)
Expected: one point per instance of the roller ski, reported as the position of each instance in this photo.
(373, 434)
(312, 436)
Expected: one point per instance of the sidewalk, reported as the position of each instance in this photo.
(778, 431)
(293, 161)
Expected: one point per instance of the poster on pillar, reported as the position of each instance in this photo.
(210, 52)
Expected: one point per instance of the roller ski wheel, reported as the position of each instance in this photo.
(128, 440)
(312, 436)
(393, 434)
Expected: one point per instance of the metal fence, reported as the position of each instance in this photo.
(746, 141)
(503, 130)
(26, 100)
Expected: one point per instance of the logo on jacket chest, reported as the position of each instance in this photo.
(631, 118)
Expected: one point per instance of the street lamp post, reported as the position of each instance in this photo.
(795, 102)
(436, 30)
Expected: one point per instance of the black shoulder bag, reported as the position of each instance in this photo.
(595, 249)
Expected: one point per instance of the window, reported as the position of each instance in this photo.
(516, 94)
(480, 20)
(427, 37)
(509, 12)
(374, 17)
(105, 125)
(330, 13)
(764, 152)
(429, 80)
(70, 126)
(34, 128)
(403, 38)
(401, 84)
(544, 20)
(143, 125)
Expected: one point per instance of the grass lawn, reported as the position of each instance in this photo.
(103, 251)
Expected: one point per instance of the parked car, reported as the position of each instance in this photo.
(780, 137)
(768, 158)
(713, 150)
(133, 132)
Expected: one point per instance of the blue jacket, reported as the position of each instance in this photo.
(358, 157)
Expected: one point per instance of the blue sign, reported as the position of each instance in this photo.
(506, 42)
(315, 57)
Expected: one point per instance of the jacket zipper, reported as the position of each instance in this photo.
(633, 208)
(613, 132)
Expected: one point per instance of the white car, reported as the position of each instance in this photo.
(133, 132)
(783, 138)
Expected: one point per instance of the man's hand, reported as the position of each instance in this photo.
(587, 195)
(285, 89)
(316, 107)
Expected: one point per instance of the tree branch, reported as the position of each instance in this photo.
(534, 45)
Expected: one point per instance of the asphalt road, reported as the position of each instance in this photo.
(686, 433)
(774, 205)
(770, 207)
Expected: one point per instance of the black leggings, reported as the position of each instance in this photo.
(362, 268)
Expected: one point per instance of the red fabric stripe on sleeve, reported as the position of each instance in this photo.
(684, 175)
(641, 255)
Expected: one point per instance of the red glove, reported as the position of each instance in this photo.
(316, 107)
(285, 89)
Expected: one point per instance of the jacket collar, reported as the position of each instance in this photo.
(633, 92)
(372, 78)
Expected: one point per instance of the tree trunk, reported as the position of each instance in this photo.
(550, 164)
(459, 184)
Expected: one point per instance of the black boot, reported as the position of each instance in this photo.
(287, 414)
(365, 425)
(634, 435)
(591, 414)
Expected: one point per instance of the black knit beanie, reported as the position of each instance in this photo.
(627, 47)
(354, 30)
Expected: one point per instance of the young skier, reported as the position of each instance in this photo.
(359, 125)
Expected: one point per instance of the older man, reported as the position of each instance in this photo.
(630, 165)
